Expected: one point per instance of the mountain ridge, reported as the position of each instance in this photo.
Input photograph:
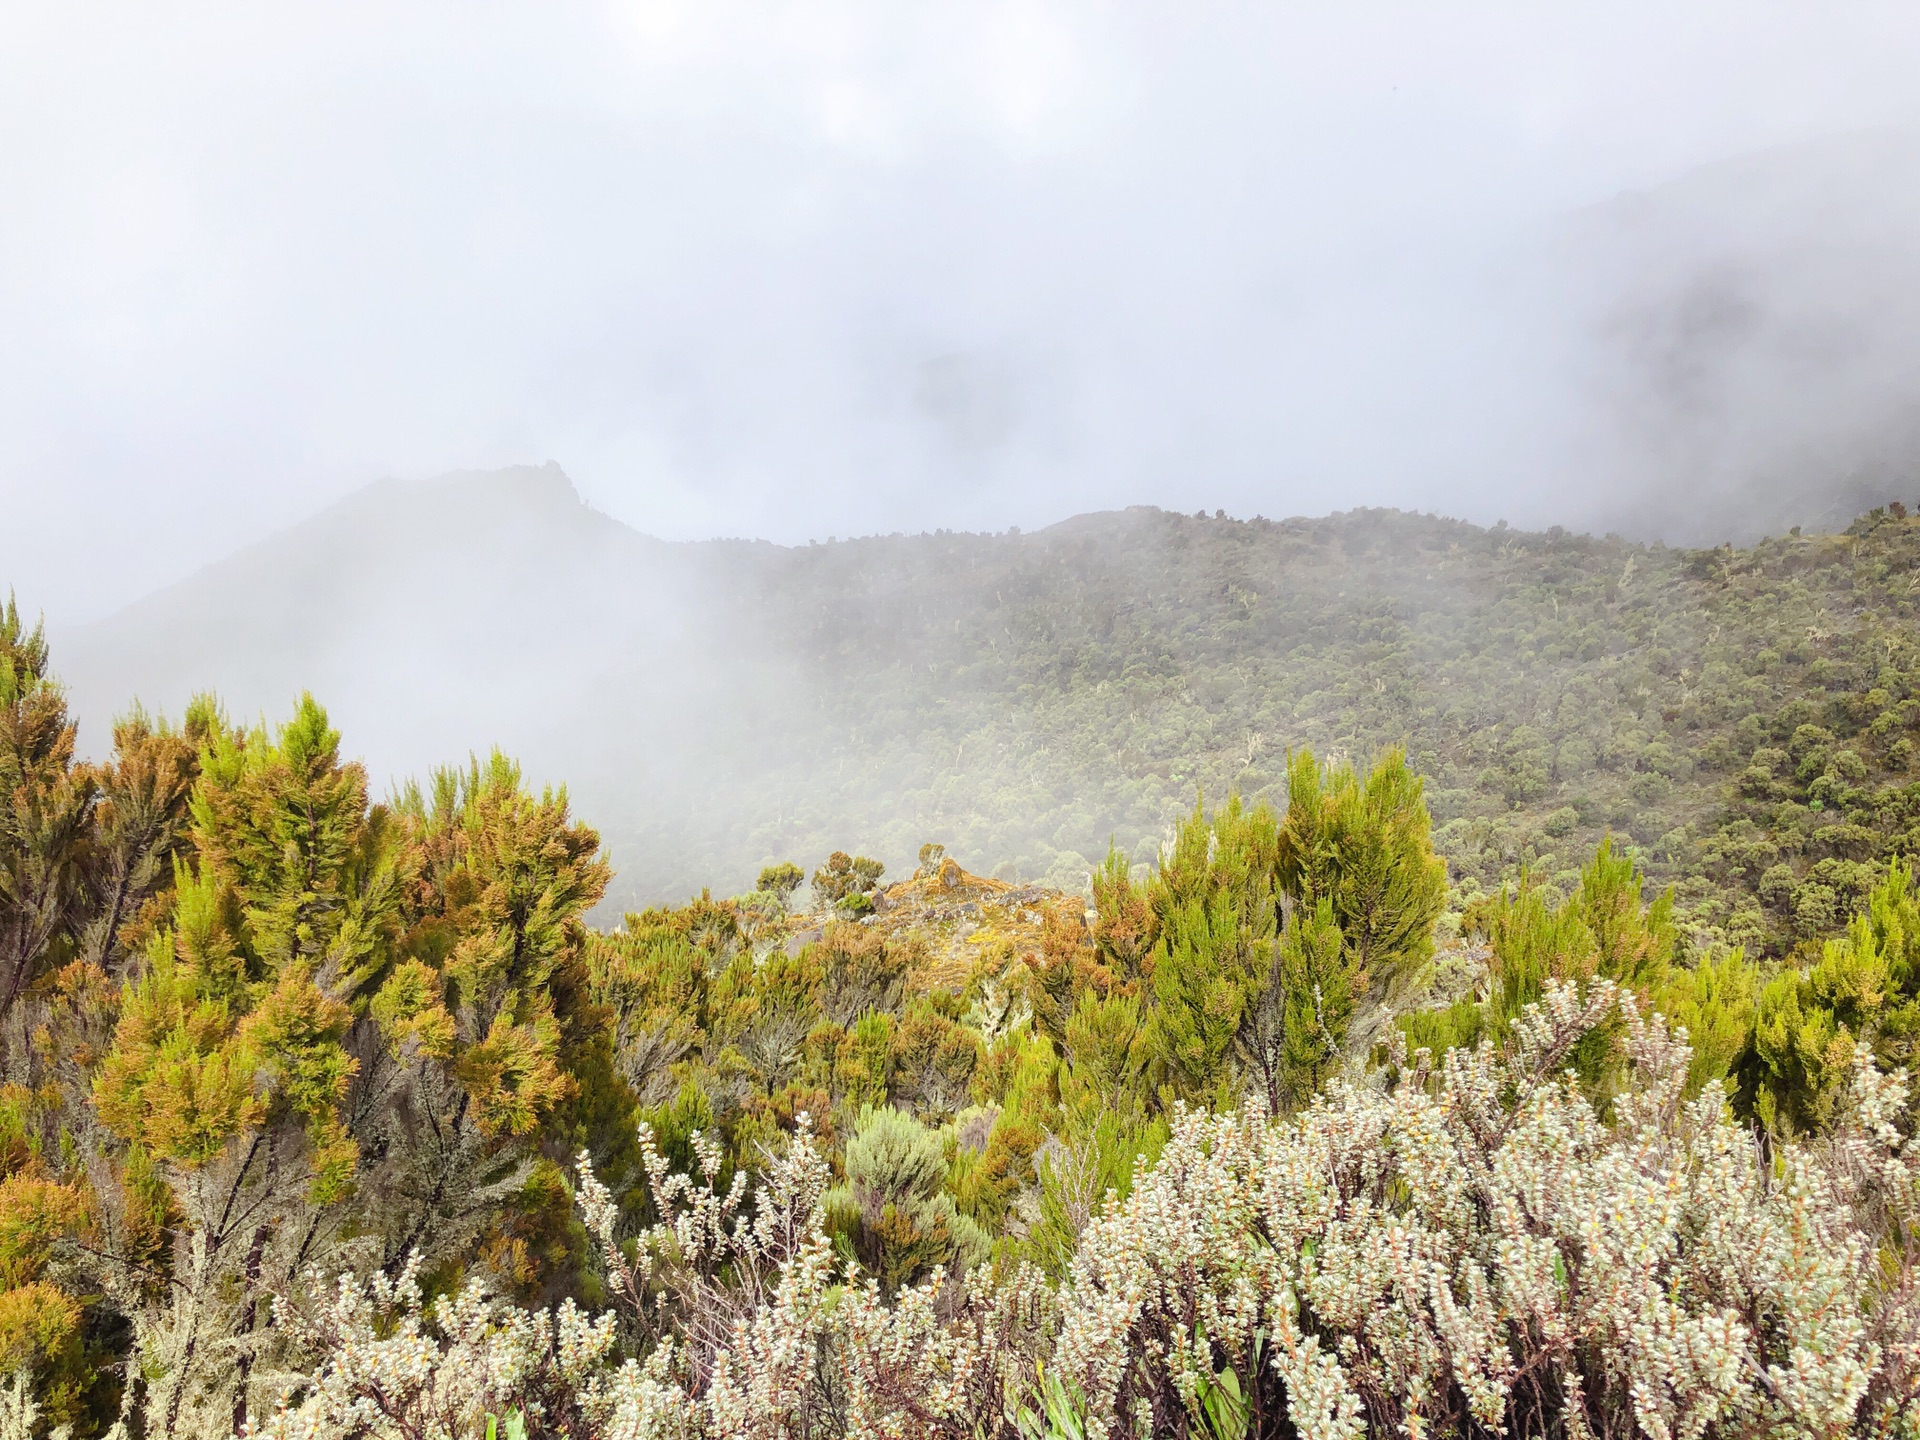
(1022, 697)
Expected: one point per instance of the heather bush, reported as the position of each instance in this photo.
(893, 1213)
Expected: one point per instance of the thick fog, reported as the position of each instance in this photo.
(798, 271)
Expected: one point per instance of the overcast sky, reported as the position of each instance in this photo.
(794, 271)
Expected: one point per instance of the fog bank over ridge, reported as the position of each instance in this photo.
(434, 617)
(1024, 698)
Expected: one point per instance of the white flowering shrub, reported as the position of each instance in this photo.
(20, 1411)
(1478, 1250)
(751, 1333)
(396, 1367)
(769, 1340)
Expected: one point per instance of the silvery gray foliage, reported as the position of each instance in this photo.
(751, 1331)
(1476, 1250)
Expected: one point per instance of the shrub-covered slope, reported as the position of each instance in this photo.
(325, 1116)
(1028, 697)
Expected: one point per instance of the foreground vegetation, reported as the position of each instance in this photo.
(326, 1117)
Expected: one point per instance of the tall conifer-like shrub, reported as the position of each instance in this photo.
(1362, 841)
(46, 813)
(1269, 933)
(348, 1031)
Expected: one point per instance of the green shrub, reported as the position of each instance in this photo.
(893, 1213)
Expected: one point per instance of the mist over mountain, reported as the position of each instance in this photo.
(428, 607)
(1722, 357)
(449, 617)
(1023, 698)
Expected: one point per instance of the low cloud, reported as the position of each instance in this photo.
(796, 271)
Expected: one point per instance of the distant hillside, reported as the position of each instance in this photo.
(1024, 698)
(1029, 696)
